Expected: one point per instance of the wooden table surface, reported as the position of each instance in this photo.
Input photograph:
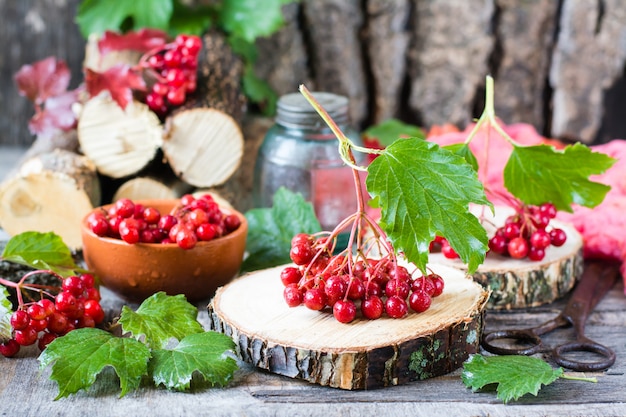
(27, 391)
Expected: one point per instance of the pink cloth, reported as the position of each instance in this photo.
(603, 228)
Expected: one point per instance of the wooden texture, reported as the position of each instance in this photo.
(149, 188)
(25, 391)
(558, 65)
(50, 192)
(447, 65)
(120, 142)
(518, 283)
(204, 146)
(365, 354)
(219, 78)
(28, 392)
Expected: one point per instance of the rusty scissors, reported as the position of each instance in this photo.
(595, 282)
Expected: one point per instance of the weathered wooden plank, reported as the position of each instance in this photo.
(31, 30)
(336, 60)
(26, 392)
(386, 42)
(282, 58)
(356, 48)
(449, 64)
(593, 32)
(524, 39)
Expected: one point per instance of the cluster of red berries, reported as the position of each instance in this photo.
(76, 305)
(175, 66)
(321, 279)
(526, 233)
(193, 220)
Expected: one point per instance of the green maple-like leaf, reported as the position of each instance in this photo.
(539, 174)
(270, 230)
(514, 375)
(160, 318)
(6, 309)
(78, 357)
(247, 19)
(40, 251)
(424, 191)
(98, 16)
(203, 353)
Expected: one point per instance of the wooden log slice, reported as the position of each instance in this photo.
(120, 142)
(149, 188)
(51, 192)
(521, 283)
(313, 346)
(203, 146)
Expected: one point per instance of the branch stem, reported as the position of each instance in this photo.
(488, 117)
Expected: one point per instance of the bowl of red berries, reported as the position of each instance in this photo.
(189, 246)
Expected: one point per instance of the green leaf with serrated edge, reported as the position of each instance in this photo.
(6, 309)
(539, 174)
(246, 19)
(424, 191)
(159, 318)
(514, 375)
(40, 251)
(78, 357)
(270, 230)
(97, 16)
(391, 130)
(204, 353)
(464, 151)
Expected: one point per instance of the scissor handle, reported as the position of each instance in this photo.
(527, 336)
(608, 356)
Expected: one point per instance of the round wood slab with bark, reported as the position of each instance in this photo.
(313, 346)
(521, 283)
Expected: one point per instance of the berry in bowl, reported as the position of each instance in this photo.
(187, 246)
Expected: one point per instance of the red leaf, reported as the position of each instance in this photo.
(58, 115)
(43, 79)
(119, 80)
(142, 40)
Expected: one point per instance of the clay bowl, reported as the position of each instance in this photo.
(137, 271)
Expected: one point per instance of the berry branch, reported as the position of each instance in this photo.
(73, 303)
(365, 272)
(21, 286)
(488, 117)
(541, 180)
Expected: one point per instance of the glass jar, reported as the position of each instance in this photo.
(301, 153)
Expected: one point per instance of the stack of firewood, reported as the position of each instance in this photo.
(131, 152)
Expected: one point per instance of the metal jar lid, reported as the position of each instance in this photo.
(294, 111)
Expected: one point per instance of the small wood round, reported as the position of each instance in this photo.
(120, 142)
(50, 192)
(313, 346)
(521, 283)
(203, 146)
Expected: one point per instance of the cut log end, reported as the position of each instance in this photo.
(120, 142)
(313, 346)
(203, 146)
(521, 283)
(44, 202)
(147, 188)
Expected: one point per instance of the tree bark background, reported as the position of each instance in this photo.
(558, 65)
